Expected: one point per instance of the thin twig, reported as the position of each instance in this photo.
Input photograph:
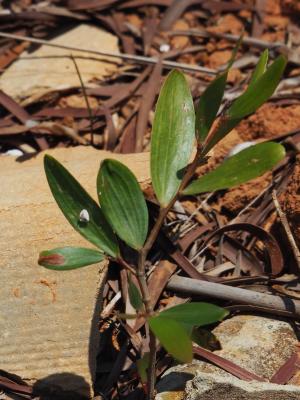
(85, 98)
(287, 228)
(262, 44)
(129, 57)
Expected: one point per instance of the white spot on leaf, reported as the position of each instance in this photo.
(84, 216)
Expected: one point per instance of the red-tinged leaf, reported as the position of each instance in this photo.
(67, 258)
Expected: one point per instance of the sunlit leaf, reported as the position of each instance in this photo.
(142, 365)
(260, 67)
(134, 295)
(75, 203)
(247, 164)
(173, 135)
(258, 92)
(195, 314)
(67, 258)
(122, 202)
(173, 337)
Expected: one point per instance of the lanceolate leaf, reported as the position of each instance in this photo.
(259, 91)
(208, 106)
(247, 164)
(66, 258)
(260, 67)
(195, 314)
(134, 295)
(173, 338)
(122, 202)
(173, 135)
(210, 101)
(76, 203)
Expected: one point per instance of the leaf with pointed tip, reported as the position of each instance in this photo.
(135, 297)
(235, 51)
(210, 101)
(67, 258)
(208, 106)
(72, 199)
(240, 168)
(195, 314)
(173, 337)
(173, 135)
(122, 202)
(260, 68)
(257, 93)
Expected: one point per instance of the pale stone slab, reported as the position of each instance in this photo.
(48, 319)
(50, 68)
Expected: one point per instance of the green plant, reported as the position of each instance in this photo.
(123, 214)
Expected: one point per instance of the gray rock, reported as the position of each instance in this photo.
(213, 387)
(258, 344)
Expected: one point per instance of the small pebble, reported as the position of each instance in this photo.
(164, 48)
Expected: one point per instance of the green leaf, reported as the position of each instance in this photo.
(173, 135)
(247, 164)
(208, 106)
(123, 202)
(235, 51)
(173, 338)
(134, 295)
(72, 199)
(142, 366)
(260, 67)
(195, 314)
(210, 101)
(67, 258)
(258, 92)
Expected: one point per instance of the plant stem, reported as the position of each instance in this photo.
(141, 272)
(151, 367)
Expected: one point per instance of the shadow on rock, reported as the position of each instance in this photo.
(64, 386)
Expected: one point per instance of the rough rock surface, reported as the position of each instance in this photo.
(213, 387)
(48, 319)
(260, 345)
(31, 76)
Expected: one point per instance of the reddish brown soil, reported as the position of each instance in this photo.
(269, 122)
(290, 202)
